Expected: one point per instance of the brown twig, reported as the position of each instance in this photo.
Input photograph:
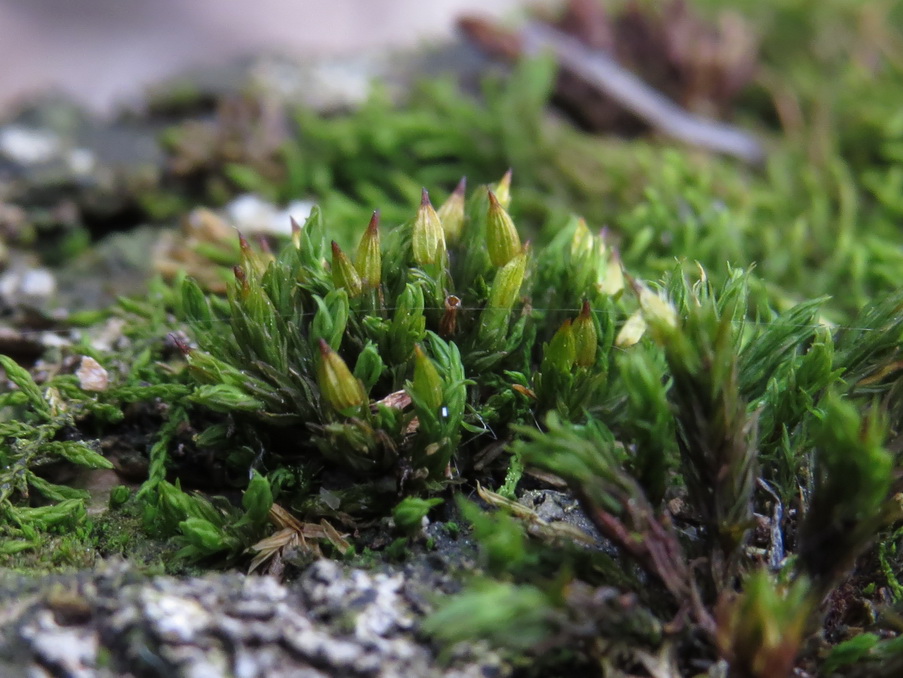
(634, 94)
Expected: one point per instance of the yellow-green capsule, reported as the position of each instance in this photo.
(502, 239)
(428, 238)
(632, 330)
(582, 243)
(586, 339)
(338, 385)
(427, 382)
(296, 233)
(657, 311)
(451, 214)
(502, 295)
(507, 282)
(561, 350)
(612, 279)
(343, 272)
(369, 258)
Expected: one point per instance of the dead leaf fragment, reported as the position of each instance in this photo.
(91, 376)
(294, 534)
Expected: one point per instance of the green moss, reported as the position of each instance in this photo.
(716, 377)
(114, 533)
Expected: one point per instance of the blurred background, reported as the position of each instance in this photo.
(105, 52)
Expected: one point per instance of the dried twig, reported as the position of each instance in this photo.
(635, 95)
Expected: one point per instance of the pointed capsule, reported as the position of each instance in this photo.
(657, 311)
(296, 233)
(427, 384)
(340, 389)
(502, 295)
(582, 241)
(245, 247)
(507, 282)
(242, 279)
(502, 239)
(254, 261)
(632, 331)
(369, 258)
(344, 273)
(561, 352)
(502, 190)
(451, 214)
(428, 238)
(180, 341)
(612, 279)
(586, 340)
(247, 256)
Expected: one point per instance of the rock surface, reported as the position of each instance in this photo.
(115, 622)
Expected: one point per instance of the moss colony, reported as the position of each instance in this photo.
(715, 376)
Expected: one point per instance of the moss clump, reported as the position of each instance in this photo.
(377, 367)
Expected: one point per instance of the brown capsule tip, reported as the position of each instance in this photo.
(243, 242)
(585, 310)
(180, 343)
(461, 188)
(239, 273)
(265, 246)
(418, 351)
(506, 178)
(374, 221)
(325, 348)
(452, 302)
(296, 227)
(523, 390)
(424, 198)
(336, 250)
(493, 201)
(566, 324)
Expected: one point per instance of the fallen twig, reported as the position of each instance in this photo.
(635, 95)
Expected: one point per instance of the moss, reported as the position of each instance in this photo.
(112, 533)
(716, 377)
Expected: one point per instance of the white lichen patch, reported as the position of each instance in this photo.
(71, 649)
(176, 619)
